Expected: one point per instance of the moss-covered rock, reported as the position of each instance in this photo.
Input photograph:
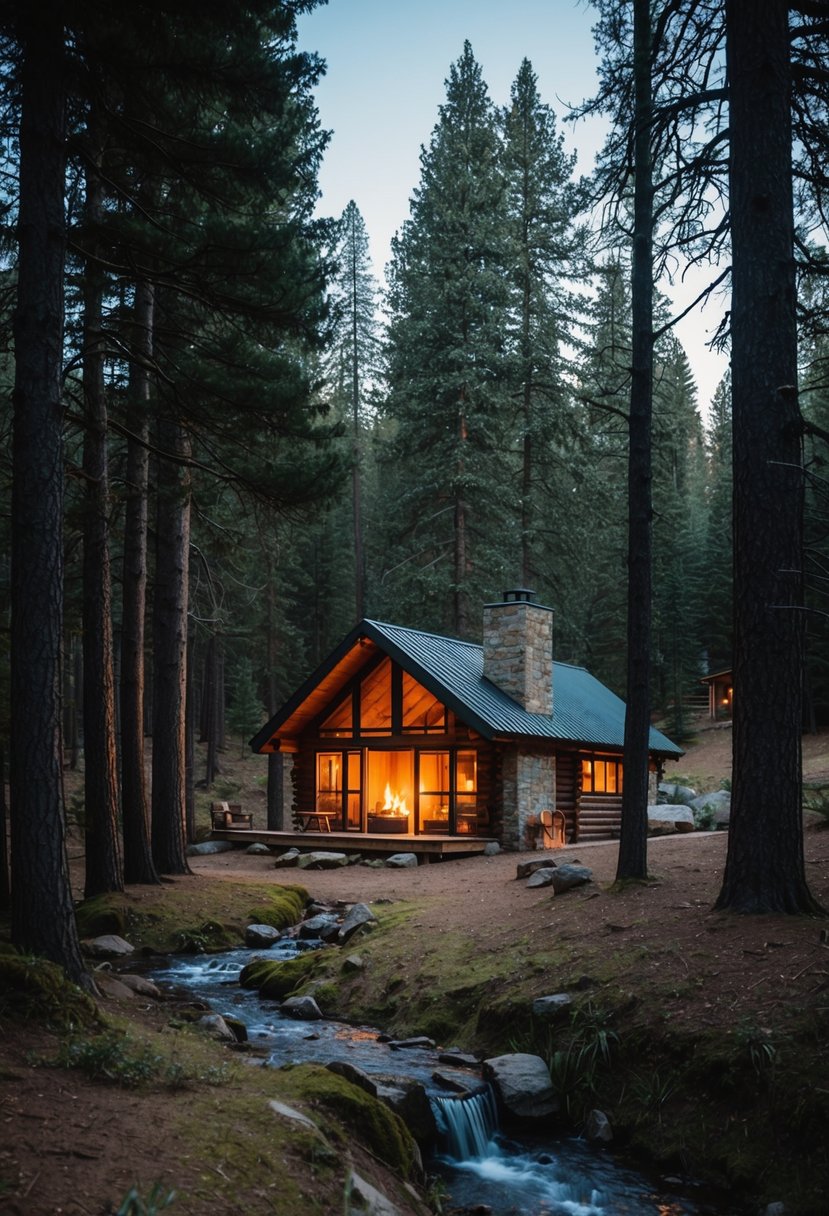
(277, 979)
(36, 990)
(357, 1114)
(283, 908)
(101, 915)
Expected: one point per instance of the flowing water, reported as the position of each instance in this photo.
(534, 1176)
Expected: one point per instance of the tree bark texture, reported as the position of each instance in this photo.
(170, 602)
(103, 859)
(764, 869)
(633, 842)
(43, 920)
(5, 889)
(138, 859)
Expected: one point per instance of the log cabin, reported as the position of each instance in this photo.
(410, 734)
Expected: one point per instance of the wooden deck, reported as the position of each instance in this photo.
(428, 848)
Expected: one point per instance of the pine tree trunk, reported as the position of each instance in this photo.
(633, 843)
(103, 861)
(190, 749)
(43, 919)
(765, 867)
(138, 859)
(5, 889)
(170, 653)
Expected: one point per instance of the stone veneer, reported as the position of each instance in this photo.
(518, 651)
(528, 786)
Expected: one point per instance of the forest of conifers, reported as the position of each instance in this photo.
(242, 443)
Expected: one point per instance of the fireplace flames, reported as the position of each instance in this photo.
(394, 804)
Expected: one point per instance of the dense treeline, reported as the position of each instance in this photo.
(222, 459)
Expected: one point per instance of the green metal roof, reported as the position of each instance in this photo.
(584, 710)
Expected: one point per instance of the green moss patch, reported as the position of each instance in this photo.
(35, 990)
(190, 914)
(364, 1117)
(276, 980)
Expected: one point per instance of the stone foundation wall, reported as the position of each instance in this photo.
(527, 787)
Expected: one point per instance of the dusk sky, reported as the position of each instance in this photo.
(387, 62)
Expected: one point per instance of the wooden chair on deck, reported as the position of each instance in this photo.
(230, 815)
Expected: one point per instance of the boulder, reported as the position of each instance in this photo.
(570, 875)
(525, 868)
(714, 807)
(113, 988)
(676, 794)
(353, 963)
(404, 1095)
(597, 1127)
(209, 846)
(110, 945)
(554, 1008)
(366, 1200)
(217, 1027)
(303, 1008)
(258, 850)
(523, 1085)
(491, 848)
(316, 925)
(418, 1041)
(666, 818)
(402, 861)
(141, 986)
(542, 877)
(261, 936)
(321, 860)
(356, 917)
(289, 858)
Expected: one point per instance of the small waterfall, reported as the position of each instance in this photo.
(468, 1124)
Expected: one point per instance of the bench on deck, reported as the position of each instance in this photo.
(320, 819)
(230, 815)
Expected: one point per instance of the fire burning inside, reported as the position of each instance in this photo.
(394, 805)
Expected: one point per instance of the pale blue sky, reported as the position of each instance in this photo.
(387, 65)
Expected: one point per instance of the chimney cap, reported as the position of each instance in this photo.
(519, 595)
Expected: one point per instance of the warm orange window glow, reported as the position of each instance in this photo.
(422, 713)
(601, 776)
(375, 701)
(329, 782)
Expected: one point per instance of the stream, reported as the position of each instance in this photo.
(534, 1176)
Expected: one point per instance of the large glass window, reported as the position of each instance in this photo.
(434, 792)
(339, 723)
(422, 713)
(330, 782)
(354, 791)
(375, 701)
(601, 775)
(390, 783)
(466, 792)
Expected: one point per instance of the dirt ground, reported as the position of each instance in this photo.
(69, 1147)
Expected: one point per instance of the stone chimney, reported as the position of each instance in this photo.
(518, 650)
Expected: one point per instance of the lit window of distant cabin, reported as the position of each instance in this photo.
(375, 701)
(601, 776)
(422, 713)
